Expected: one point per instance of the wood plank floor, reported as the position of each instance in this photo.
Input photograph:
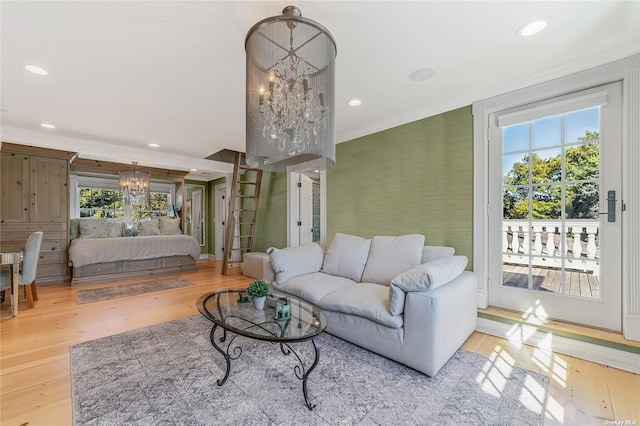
(35, 384)
(577, 283)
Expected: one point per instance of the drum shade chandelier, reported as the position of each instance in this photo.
(134, 186)
(290, 94)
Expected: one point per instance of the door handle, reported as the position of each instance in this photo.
(611, 206)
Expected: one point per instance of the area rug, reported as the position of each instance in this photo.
(166, 374)
(126, 290)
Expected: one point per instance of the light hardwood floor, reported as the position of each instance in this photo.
(35, 384)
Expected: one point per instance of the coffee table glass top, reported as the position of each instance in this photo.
(223, 308)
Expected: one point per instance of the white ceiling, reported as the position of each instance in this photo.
(126, 74)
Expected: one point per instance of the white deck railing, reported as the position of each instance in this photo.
(548, 242)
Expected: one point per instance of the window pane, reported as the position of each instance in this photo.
(515, 138)
(546, 202)
(579, 123)
(546, 166)
(515, 203)
(582, 162)
(515, 169)
(546, 132)
(583, 201)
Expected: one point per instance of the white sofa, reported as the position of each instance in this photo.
(391, 295)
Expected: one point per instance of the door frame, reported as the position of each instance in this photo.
(606, 310)
(219, 191)
(626, 70)
(293, 206)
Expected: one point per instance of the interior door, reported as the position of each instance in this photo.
(221, 217)
(555, 208)
(306, 209)
(197, 217)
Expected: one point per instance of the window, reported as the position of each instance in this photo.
(100, 202)
(101, 198)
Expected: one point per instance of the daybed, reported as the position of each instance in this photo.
(100, 250)
(391, 295)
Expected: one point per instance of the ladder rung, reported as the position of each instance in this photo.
(242, 236)
(243, 167)
(246, 182)
(246, 196)
(241, 249)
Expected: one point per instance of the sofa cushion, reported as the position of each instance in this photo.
(367, 300)
(313, 287)
(390, 256)
(294, 261)
(114, 229)
(346, 256)
(424, 277)
(149, 227)
(93, 228)
(170, 226)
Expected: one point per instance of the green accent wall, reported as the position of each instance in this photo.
(271, 222)
(414, 178)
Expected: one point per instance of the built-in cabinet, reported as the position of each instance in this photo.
(35, 197)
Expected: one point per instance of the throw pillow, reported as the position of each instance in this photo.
(346, 256)
(114, 229)
(432, 274)
(149, 227)
(169, 226)
(427, 276)
(295, 261)
(390, 256)
(93, 228)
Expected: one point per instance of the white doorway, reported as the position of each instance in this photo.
(305, 208)
(555, 222)
(221, 205)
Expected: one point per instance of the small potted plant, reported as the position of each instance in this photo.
(258, 290)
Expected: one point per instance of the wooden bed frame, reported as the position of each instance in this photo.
(124, 269)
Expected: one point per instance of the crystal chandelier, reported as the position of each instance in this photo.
(134, 186)
(290, 94)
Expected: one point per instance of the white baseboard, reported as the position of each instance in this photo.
(611, 357)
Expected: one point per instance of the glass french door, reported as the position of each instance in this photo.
(555, 203)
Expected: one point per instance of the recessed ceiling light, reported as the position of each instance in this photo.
(48, 126)
(355, 102)
(36, 69)
(532, 28)
(154, 145)
(194, 170)
(422, 74)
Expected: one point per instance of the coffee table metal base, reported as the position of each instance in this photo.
(300, 371)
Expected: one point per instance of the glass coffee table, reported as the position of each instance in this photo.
(225, 310)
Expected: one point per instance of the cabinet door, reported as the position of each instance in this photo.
(14, 177)
(49, 189)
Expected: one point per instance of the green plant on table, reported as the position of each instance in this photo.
(258, 288)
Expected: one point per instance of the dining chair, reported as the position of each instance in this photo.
(27, 270)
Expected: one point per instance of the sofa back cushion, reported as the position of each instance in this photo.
(346, 256)
(295, 261)
(169, 226)
(389, 256)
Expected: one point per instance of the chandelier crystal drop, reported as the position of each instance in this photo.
(290, 94)
(134, 186)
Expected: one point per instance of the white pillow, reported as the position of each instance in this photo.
(346, 256)
(295, 261)
(390, 256)
(427, 276)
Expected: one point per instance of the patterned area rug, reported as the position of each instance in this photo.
(166, 374)
(126, 290)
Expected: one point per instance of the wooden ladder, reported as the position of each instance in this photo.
(242, 213)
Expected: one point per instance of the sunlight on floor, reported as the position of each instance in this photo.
(532, 395)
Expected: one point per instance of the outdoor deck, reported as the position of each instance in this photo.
(578, 283)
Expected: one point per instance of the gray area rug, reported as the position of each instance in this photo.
(126, 290)
(166, 374)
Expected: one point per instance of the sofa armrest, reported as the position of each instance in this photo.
(437, 322)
